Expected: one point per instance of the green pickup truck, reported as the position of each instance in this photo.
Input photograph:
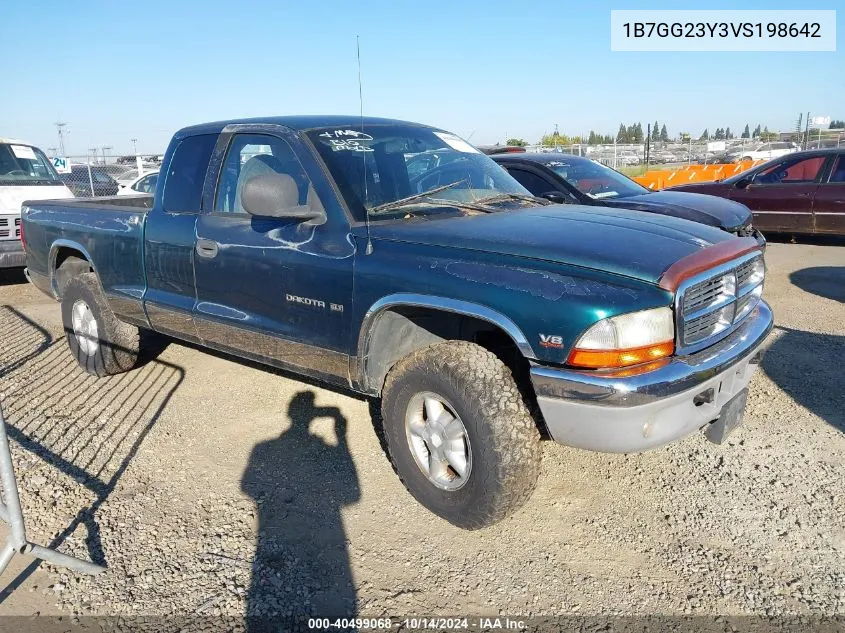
(481, 317)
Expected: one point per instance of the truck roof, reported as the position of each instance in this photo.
(13, 141)
(296, 122)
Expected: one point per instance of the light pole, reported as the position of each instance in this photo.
(138, 164)
(60, 126)
(104, 148)
(92, 151)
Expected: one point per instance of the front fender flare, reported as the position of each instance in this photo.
(456, 306)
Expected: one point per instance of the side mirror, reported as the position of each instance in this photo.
(743, 183)
(554, 196)
(275, 196)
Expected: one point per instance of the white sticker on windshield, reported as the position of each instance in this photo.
(603, 194)
(347, 140)
(456, 142)
(22, 151)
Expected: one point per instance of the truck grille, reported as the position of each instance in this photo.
(10, 227)
(711, 305)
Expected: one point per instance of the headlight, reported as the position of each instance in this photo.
(626, 339)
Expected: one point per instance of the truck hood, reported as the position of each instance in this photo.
(728, 215)
(12, 196)
(631, 243)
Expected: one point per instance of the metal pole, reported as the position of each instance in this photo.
(11, 513)
(90, 178)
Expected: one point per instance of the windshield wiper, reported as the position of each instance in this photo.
(516, 196)
(463, 205)
(417, 196)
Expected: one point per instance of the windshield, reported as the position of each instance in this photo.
(594, 179)
(25, 165)
(379, 168)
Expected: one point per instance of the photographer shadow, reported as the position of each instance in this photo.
(300, 483)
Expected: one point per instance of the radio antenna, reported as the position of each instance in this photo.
(369, 248)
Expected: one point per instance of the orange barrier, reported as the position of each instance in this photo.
(661, 178)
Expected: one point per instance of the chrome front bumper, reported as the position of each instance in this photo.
(610, 412)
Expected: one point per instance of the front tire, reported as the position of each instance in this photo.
(100, 343)
(459, 434)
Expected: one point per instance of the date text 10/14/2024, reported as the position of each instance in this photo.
(418, 624)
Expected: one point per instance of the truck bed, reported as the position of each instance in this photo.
(108, 231)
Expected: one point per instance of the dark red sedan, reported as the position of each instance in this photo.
(798, 193)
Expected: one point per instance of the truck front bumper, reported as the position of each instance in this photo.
(12, 254)
(610, 411)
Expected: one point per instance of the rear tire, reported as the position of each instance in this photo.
(100, 343)
(459, 398)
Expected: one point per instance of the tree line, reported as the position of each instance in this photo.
(634, 134)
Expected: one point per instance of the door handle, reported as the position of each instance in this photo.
(207, 248)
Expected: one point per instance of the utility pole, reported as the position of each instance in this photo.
(134, 145)
(104, 148)
(60, 127)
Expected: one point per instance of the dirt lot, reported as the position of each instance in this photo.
(212, 486)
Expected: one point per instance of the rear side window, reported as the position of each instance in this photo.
(186, 173)
(838, 173)
(534, 183)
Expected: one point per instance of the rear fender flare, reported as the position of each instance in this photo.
(54, 251)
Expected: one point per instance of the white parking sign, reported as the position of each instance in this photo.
(62, 165)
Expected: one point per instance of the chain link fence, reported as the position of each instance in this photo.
(99, 174)
(95, 175)
(677, 153)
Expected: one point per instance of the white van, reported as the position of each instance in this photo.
(25, 174)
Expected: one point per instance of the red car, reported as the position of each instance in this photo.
(799, 193)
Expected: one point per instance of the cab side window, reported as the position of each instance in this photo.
(186, 173)
(251, 155)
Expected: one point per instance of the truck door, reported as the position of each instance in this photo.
(169, 237)
(274, 289)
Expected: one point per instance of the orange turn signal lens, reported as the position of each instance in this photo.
(601, 358)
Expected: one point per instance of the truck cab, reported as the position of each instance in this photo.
(25, 174)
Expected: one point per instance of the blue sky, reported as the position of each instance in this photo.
(482, 69)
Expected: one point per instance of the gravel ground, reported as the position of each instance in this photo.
(211, 486)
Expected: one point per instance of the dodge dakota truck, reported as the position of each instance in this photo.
(483, 318)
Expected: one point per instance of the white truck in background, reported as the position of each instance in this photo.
(25, 174)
